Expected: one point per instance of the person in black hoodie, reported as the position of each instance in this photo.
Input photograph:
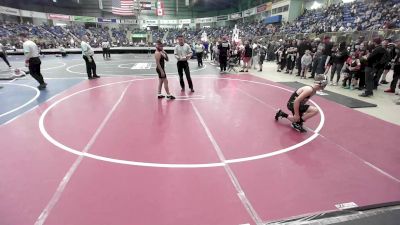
(338, 59)
(396, 69)
(373, 66)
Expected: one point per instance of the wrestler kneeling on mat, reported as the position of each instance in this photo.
(161, 56)
(297, 104)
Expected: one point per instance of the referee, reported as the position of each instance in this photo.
(88, 53)
(32, 60)
(182, 53)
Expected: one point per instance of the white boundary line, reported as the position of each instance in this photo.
(379, 170)
(61, 187)
(27, 103)
(239, 191)
(68, 69)
(56, 67)
(48, 100)
(164, 165)
(63, 64)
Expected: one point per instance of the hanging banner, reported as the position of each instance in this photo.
(129, 21)
(9, 11)
(151, 22)
(168, 21)
(205, 20)
(262, 8)
(249, 12)
(235, 16)
(145, 5)
(160, 8)
(103, 20)
(58, 17)
(185, 21)
(84, 19)
(222, 18)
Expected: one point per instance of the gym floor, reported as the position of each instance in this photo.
(107, 151)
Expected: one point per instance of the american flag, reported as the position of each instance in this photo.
(122, 7)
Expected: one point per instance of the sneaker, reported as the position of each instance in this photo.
(299, 127)
(42, 86)
(170, 97)
(389, 91)
(278, 71)
(278, 114)
(160, 96)
(384, 82)
(335, 84)
(365, 95)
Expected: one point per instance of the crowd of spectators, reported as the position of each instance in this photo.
(359, 15)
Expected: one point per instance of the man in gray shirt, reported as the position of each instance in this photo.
(32, 60)
(182, 53)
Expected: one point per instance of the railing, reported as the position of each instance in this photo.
(336, 36)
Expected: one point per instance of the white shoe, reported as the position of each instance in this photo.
(335, 84)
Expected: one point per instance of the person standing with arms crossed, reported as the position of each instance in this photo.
(32, 60)
(182, 53)
(88, 53)
(161, 56)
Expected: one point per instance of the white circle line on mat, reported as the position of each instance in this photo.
(117, 66)
(26, 103)
(172, 165)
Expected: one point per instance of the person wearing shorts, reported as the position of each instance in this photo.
(161, 56)
(297, 104)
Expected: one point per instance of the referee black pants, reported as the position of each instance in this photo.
(90, 66)
(34, 69)
(223, 61)
(3, 56)
(199, 57)
(184, 66)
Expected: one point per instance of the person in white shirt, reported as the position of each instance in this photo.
(106, 49)
(3, 55)
(199, 48)
(32, 60)
(182, 53)
(87, 53)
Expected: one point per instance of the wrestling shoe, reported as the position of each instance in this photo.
(299, 127)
